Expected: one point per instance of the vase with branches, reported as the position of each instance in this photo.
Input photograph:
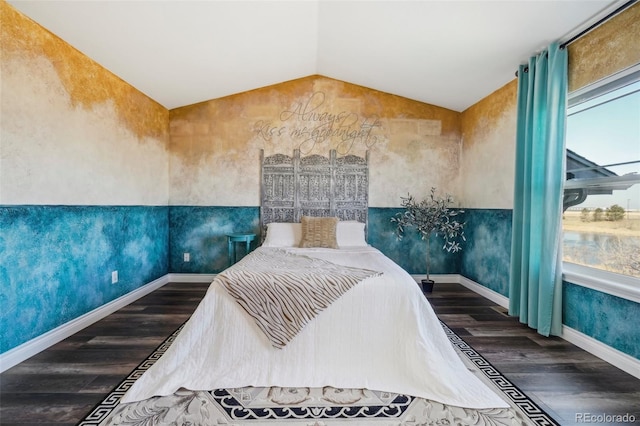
(431, 216)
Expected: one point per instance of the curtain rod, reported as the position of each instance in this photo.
(598, 23)
(593, 26)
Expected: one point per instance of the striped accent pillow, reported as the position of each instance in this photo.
(319, 232)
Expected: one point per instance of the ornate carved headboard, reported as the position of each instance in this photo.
(292, 187)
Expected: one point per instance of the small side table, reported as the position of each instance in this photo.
(238, 237)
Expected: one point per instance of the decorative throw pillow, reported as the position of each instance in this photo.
(319, 232)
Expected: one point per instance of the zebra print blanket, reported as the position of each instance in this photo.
(283, 291)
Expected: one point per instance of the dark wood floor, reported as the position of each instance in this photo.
(62, 384)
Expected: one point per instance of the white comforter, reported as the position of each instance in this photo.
(380, 335)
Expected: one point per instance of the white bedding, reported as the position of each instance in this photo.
(380, 335)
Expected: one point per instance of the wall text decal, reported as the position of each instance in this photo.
(309, 125)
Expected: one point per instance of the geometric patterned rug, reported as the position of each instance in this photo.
(508, 390)
(256, 406)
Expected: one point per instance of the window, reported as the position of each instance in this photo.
(601, 221)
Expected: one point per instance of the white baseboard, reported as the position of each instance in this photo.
(494, 296)
(438, 278)
(595, 347)
(191, 278)
(28, 349)
(16, 355)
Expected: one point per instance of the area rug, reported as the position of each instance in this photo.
(255, 406)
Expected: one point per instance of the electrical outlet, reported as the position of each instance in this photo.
(187, 257)
(114, 277)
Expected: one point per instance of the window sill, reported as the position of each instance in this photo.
(622, 286)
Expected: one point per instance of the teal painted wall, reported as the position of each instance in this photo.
(201, 232)
(410, 252)
(487, 252)
(486, 258)
(56, 262)
(609, 319)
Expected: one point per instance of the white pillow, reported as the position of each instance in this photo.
(350, 234)
(283, 235)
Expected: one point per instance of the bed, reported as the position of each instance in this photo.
(381, 334)
(372, 329)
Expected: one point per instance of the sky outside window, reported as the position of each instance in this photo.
(606, 130)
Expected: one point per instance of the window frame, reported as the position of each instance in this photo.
(623, 286)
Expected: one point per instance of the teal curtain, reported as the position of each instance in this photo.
(535, 287)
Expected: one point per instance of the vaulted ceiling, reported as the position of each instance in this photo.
(446, 53)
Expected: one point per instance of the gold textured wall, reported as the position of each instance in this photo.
(488, 128)
(73, 132)
(607, 49)
(215, 145)
(488, 150)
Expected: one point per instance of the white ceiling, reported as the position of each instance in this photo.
(446, 53)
